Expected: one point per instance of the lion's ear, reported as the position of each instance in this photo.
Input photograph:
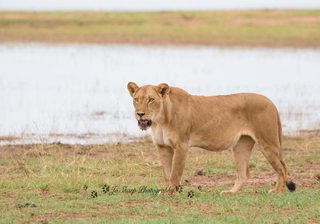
(132, 88)
(163, 89)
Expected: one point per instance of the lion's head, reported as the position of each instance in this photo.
(148, 102)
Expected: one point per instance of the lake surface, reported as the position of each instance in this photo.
(78, 94)
(155, 5)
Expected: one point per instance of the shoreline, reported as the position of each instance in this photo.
(88, 139)
(160, 45)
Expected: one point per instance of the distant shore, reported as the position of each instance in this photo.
(251, 28)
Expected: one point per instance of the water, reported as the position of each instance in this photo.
(154, 5)
(77, 93)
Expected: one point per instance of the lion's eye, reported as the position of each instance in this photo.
(151, 100)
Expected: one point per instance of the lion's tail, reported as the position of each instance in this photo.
(290, 184)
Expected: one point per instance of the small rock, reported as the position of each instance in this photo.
(199, 173)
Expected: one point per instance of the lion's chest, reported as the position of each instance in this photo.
(160, 136)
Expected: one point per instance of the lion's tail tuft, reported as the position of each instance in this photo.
(291, 186)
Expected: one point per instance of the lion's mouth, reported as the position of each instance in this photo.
(144, 124)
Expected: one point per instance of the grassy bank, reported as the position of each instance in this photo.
(57, 183)
(269, 28)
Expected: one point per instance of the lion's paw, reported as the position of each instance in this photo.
(165, 192)
(169, 191)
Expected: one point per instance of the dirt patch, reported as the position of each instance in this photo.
(110, 213)
(60, 216)
(211, 181)
(205, 208)
(126, 204)
(257, 180)
(305, 174)
(8, 195)
(9, 138)
(133, 215)
(276, 21)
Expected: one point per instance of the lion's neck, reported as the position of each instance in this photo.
(171, 106)
(165, 115)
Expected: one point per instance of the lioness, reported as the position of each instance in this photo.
(180, 121)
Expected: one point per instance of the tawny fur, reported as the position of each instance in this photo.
(181, 121)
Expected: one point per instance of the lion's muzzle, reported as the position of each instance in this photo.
(144, 124)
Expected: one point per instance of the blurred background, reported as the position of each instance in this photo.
(64, 65)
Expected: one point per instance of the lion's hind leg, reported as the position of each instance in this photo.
(273, 155)
(242, 152)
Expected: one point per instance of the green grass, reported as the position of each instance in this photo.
(270, 28)
(52, 178)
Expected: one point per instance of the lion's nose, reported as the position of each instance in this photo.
(140, 114)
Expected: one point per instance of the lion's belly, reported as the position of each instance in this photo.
(218, 140)
(212, 140)
(212, 145)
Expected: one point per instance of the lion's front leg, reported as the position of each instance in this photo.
(178, 164)
(166, 154)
